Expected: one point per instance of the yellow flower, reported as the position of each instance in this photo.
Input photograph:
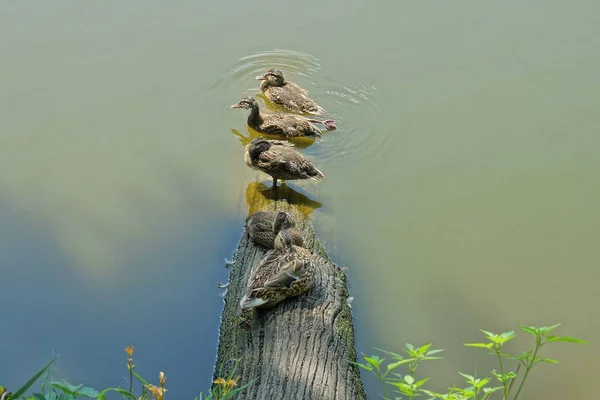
(129, 350)
(158, 393)
(227, 384)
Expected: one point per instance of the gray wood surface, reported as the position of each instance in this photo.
(303, 347)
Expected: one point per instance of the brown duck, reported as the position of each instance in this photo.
(286, 271)
(287, 94)
(287, 125)
(263, 227)
(280, 160)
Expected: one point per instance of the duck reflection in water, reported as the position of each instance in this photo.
(258, 199)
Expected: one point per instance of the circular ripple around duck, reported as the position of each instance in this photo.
(354, 107)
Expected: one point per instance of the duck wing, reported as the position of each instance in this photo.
(289, 161)
(289, 273)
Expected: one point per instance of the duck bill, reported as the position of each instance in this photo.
(261, 78)
(237, 105)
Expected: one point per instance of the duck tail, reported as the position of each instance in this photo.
(317, 111)
(316, 175)
(329, 124)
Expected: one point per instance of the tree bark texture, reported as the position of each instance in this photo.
(303, 348)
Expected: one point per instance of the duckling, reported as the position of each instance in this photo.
(286, 125)
(280, 160)
(284, 272)
(287, 94)
(263, 227)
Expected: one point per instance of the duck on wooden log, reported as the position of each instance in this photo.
(301, 348)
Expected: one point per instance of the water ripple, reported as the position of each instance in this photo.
(354, 107)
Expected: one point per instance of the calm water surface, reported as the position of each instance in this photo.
(461, 192)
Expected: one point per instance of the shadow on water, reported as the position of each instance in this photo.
(299, 142)
(257, 199)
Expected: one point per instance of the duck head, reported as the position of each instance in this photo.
(247, 102)
(283, 220)
(284, 241)
(273, 77)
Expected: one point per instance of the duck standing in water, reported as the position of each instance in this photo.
(287, 94)
(287, 125)
(263, 227)
(284, 272)
(280, 160)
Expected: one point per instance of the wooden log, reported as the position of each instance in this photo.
(303, 348)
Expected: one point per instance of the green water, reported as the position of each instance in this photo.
(461, 186)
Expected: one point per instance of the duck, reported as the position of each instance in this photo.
(263, 227)
(287, 94)
(286, 125)
(280, 160)
(285, 271)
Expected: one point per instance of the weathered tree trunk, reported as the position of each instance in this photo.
(303, 347)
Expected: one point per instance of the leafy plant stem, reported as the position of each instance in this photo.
(528, 366)
(504, 384)
(383, 384)
(130, 379)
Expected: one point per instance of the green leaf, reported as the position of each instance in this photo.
(139, 378)
(490, 335)
(468, 377)
(66, 387)
(399, 363)
(374, 361)
(432, 352)
(409, 346)
(31, 381)
(66, 396)
(421, 382)
(38, 396)
(544, 330)
(492, 390)
(483, 345)
(549, 360)
(122, 392)
(391, 353)
(506, 336)
(51, 396)
(409, 379)
(235, 391)
(530, 329)
(565, 339)
(423, 349)
(88, 392)
(365, 366)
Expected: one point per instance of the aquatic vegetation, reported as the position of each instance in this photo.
(223, 388)
(511, 367)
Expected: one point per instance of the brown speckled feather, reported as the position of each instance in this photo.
(278, 275)
(287, 125)
(293, 98)
(286, 163)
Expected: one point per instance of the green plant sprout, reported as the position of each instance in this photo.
(223, 388)
(408, 386)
